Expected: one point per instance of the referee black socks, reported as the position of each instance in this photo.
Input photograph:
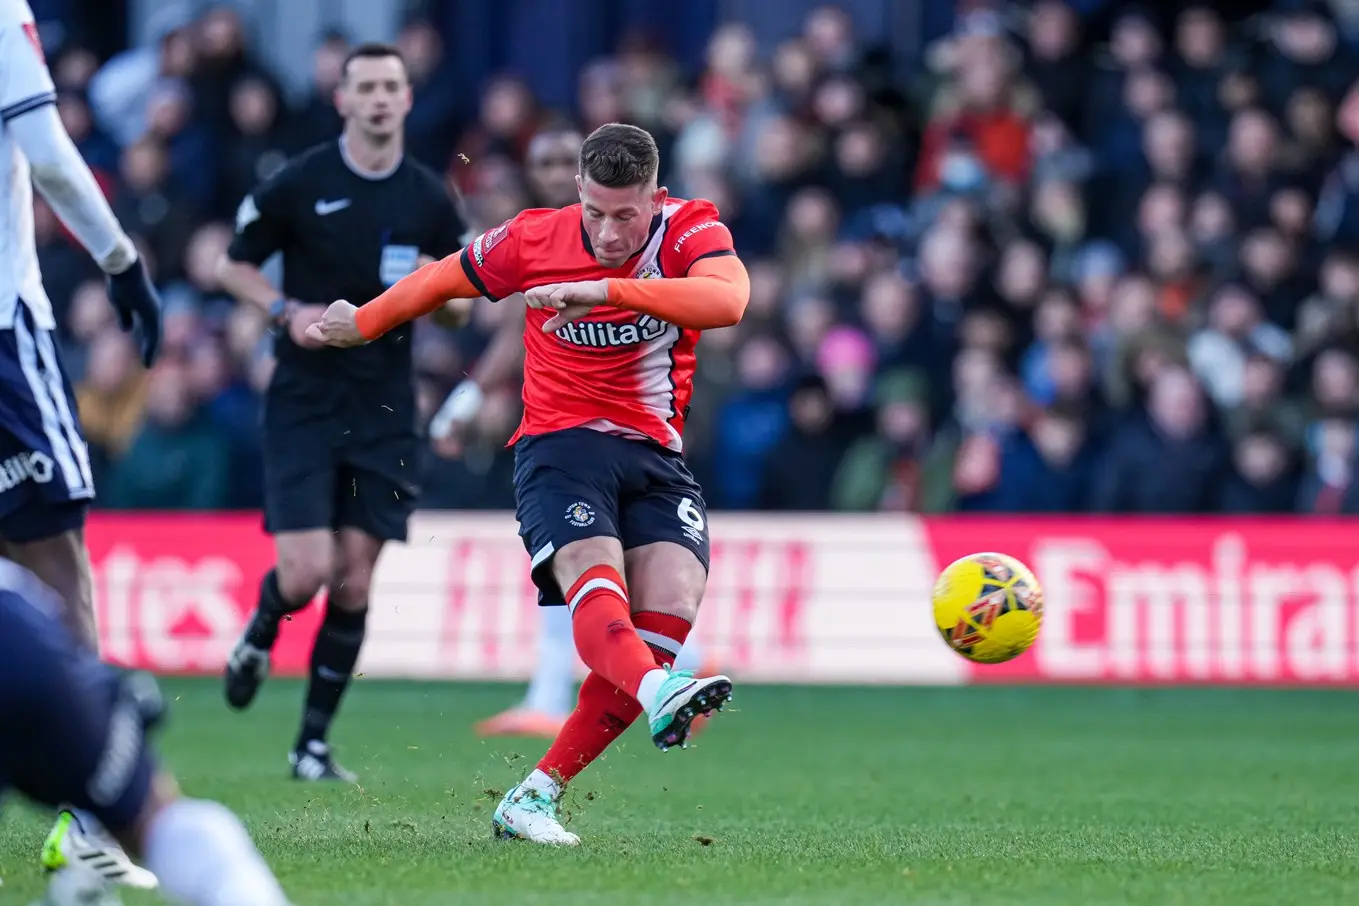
(270, 610)
(332, 665)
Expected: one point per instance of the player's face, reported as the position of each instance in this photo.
(375, 94)
(618, 221)
(552, 164)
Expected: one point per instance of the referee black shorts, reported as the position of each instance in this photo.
(330, 465)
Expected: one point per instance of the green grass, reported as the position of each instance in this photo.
(970, 797)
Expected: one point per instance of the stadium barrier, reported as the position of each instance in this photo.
(807, 599)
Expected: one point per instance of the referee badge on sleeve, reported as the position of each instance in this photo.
(397, 261)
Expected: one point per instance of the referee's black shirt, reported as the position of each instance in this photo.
(346, 235)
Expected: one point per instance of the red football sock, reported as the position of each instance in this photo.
(602, 625)
(663, 633)
(603, 712)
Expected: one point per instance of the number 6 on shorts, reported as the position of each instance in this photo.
(690, 514)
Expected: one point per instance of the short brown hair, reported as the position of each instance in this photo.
(372, 50)
(617, 155)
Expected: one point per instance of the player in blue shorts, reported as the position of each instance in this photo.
(72, 730)
(45, 480)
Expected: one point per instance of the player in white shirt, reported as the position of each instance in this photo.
(45, 481)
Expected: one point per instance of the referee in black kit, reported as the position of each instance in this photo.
(350, 217)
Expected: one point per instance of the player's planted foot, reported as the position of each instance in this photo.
(527, 813)
(315, 761)
(89, 862)
(246, 668)
(678, 701)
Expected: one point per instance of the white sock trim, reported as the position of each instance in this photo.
(663, 642)
(595, 585)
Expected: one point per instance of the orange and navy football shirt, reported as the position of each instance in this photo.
(613, 370)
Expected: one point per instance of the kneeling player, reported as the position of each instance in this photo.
(72, 731)
(618, 287)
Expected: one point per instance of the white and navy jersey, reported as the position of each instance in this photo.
(25, 84)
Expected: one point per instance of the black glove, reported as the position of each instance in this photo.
(138, 304)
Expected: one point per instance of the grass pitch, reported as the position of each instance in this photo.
(966, 797)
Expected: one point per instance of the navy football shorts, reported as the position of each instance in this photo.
(72, 730)
(581, 483)
(45, 478)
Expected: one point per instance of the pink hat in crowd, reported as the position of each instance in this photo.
(846, 347)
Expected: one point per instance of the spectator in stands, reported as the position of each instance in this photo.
(1047, 468)
(1263, 404)
(815, 443)
(179, 459)
(1264, 477)
(316, 120)
(258, 145)
(121, 89)
(153, 206)
(1236, 328)
(882, 471)
(1169, 459)
(432, 124)
(1085, 226)
(1328, 486)
(1058, 69)
(980, 118)
(751, 423)
(113, 394)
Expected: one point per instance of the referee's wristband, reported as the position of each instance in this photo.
(278, 310)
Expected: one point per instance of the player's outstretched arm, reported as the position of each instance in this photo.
(63, 178)
(409, 298)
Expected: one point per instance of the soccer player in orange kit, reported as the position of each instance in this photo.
(619, 288)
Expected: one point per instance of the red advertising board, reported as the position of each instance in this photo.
(1180, 601)
(808, 599)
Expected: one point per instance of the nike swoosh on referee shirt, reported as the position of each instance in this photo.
(330, 207)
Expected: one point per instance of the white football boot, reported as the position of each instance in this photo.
(86, 866)
(527, 814)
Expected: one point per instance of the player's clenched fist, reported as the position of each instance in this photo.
(337, 327)
(569, 300)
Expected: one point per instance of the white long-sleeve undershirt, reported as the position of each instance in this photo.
(63, 178)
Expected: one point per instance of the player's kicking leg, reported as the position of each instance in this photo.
(636, 642)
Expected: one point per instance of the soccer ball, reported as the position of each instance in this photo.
(988, 607)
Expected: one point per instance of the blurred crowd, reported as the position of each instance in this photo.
(1062, 269)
